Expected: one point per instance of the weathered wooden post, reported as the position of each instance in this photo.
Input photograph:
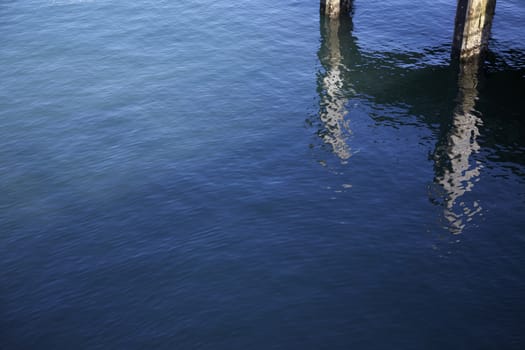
(472, 28)
(334, 8)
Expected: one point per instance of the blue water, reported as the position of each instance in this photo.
(218, 175)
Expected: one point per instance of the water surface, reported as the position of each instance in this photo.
(209, 175)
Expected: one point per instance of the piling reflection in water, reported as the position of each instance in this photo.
(382, 80)
(456, 172)
(332, 112)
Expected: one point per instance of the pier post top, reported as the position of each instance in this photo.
(473, 24)
(335, 8)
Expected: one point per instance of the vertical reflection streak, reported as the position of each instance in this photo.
(332, 111)
(457, 174)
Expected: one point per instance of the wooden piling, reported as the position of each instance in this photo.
(335, 8)
(472, 28)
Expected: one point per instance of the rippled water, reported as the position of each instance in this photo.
(213, 175)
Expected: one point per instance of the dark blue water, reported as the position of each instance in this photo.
(217, 175)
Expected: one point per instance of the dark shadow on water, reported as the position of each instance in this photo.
(449, 100)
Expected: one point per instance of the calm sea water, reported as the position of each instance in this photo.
(216, 175)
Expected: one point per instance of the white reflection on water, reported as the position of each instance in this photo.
(458, 173)
(333, 101)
